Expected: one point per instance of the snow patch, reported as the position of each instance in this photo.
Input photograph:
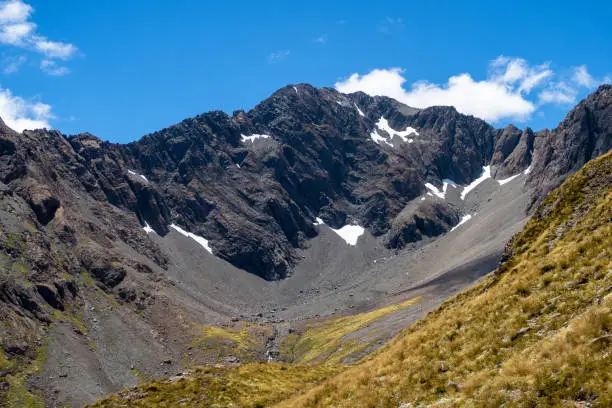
(423, 198)
(196, 238)
(383, 124)
(527, 170)
(464, 219)
(237, 165)
(378, 138)
(434, 190)
(440, 193)
(147, 228)
(507, 180)
(296, 90)
(358, 110)
(133, 173)
(350, 233)
(486, 173)
(253, 137)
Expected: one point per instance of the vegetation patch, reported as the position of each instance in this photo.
(242, 340)
(327, 341)
(253, 385)
(18, 395)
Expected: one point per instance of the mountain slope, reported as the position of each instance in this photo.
(120, 263)
(537, 331)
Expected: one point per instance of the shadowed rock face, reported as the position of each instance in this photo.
(255, 199)
(585, 133)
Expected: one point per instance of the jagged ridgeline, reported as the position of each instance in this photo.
(290, 241)
(535, 332)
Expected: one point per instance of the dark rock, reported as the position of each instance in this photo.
(51, 295)
(101, 264)
(42, 201)
(584, 134)
(513, 151)
(427, 219)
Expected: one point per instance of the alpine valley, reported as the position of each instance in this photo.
(322, 249)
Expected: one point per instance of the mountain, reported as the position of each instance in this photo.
(118, 261)
(535, 332)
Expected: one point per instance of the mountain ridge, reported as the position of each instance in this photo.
(210, 223)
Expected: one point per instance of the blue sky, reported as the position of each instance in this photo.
(121, 69)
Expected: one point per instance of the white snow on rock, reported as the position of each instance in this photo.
(464, 219)
(486, 173)
(383, 124)
(527, 170)
(147, 228)
(507, 180)
(434, 190)
(440, 193)
(296, 90)
(196, 238)
(253, 137)
(350, 233)
(423, 198)
(378, 138)
(358, 110)
(133, 173)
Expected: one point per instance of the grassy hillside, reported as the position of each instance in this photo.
(536, 332)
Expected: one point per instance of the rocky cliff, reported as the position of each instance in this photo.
(251, 187)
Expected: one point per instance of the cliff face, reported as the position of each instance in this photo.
(343, 158)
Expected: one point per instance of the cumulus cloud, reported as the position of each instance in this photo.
(20, 114)
(508, 91)
(16, 29)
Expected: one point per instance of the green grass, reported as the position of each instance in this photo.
(251, 385)
(242, 340)
(18, 395)
(326, 341)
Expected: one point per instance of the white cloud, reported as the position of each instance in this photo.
(508, 91)
(19, 113)
(16, 34)
(278, 55)
(16, 29)
(14, 11)
(51, 68)
(13, 64)
(583, 78)
(54, 49)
